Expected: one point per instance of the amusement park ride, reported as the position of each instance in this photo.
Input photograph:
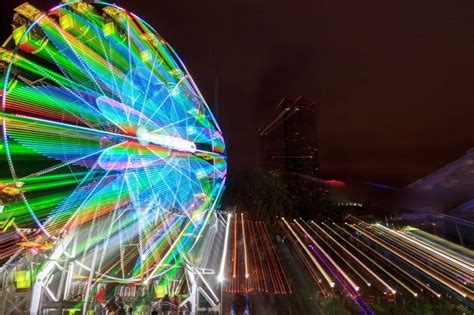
(112, 171)
(117, 165)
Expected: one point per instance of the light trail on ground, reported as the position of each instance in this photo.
(254, 265)
(390, 261)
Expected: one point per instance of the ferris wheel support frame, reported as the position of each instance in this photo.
(198, 286)
(53, 283)
(41, 287)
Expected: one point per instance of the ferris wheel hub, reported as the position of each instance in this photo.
(146, 137)
(115, 111)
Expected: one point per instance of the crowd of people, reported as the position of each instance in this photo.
(115, 306)
(165, 306)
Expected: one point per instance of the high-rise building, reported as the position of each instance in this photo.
(290, 142)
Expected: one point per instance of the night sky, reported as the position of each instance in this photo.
(393, 79)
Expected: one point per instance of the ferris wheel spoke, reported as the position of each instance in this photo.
(110, 66)
(56, 217)
(170, 185)
(90, 110)
(165, 99)
(150, 77)
(63, 82)
(178, 170)
(51, 100)
(75, 145)
(176, 200)
(198, 135)
(67, 42)
(47, 122)
(67, 72)
(114, 64)
(74, 215)
(129, 59)
(58, 166)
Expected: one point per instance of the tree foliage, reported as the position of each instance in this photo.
(266, 196)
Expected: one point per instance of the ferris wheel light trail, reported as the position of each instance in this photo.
(170, 251)
(119, 136)
(145, 137)
(112, 109)
(220, 276)
(46, 122)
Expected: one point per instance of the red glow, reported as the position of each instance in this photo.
(336, 182)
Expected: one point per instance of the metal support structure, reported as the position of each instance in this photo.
(41, 289)
(54, 287)
(11, 299)
(199, 286)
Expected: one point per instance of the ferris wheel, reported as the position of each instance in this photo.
(111, 137)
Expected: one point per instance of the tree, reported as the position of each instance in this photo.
(267, 197)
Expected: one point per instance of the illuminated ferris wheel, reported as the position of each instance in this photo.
(114, 143)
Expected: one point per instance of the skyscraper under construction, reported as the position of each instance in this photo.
(289, 142)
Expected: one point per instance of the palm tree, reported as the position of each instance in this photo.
(267, 197)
